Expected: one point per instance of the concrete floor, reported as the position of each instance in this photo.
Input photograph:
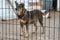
(10, 30)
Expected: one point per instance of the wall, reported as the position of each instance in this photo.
(47, 4)
(58, 5)
(6, 11)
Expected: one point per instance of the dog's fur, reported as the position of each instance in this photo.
(28, 17)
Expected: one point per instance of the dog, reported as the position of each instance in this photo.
(29, 17)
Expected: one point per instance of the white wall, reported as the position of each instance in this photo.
(47, 4)
(7, 13)
(58, 5)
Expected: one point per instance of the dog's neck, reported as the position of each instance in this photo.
(24, 14)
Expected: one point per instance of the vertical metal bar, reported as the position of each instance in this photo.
(28, 25)
(49, 25)
(59, 28)
(49, 22)
(16, 28)
(45, 25)
(40, 24)
(5, 23)
(13, 24)
(54, 27)
(32, 25)
(21, 29)
(36, 8)
(2, 21)
(9, 22)
(19, 24)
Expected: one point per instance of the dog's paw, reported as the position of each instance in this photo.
(34, 32)
(26, 35)
(43, 32)
(21, 34)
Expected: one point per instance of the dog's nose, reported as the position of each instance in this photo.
(15, 8)
(20, 16)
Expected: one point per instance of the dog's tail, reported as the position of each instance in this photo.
(45, 13)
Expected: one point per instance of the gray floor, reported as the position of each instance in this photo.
(10, 30)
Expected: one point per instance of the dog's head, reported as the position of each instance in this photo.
(21, 5)
(19, 8)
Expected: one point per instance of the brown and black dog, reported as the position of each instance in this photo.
(28, 17)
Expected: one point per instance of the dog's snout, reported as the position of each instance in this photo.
(20, 16)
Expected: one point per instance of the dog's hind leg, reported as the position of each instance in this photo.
(35, 28)
(41, 22)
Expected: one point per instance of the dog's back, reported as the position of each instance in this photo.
(34, 13)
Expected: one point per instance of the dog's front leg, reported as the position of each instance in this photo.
(23, 21)
(26, 30)
(22, 33)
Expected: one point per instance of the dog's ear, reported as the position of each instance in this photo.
(22, 5)
(16, 3)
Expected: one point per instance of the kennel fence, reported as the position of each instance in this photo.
(10, 29)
